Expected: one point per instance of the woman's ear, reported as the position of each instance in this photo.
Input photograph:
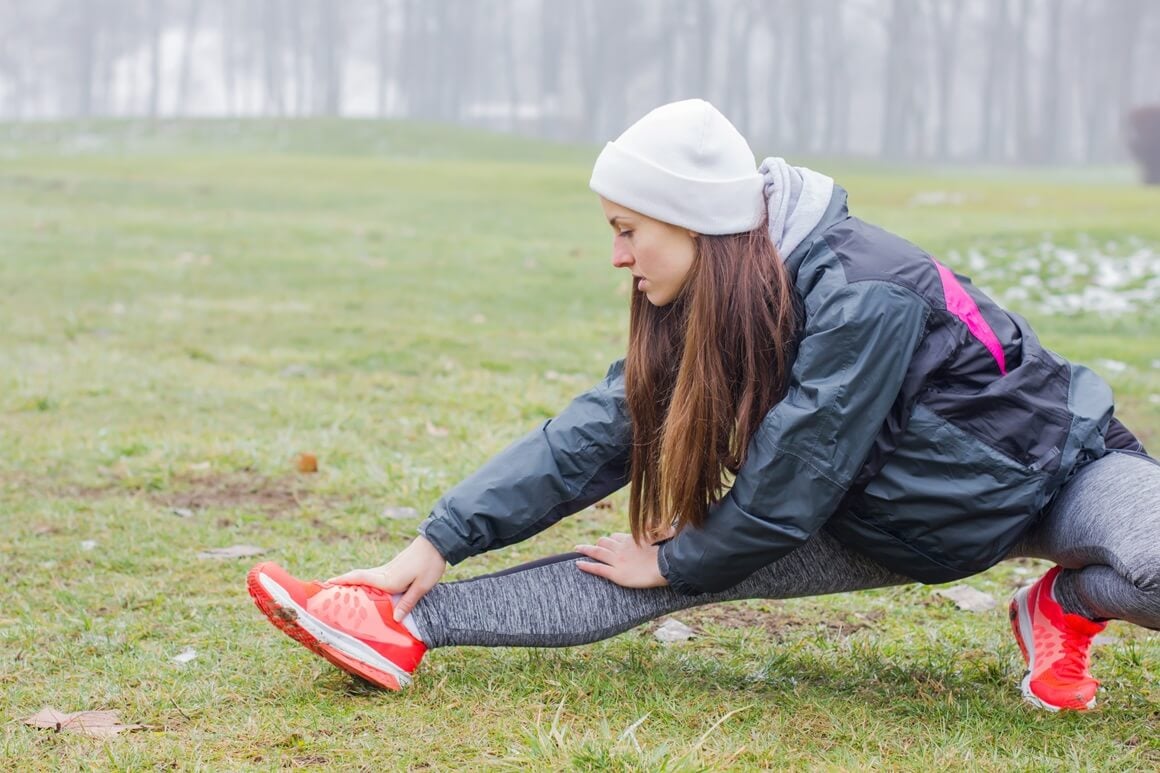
(694, 234)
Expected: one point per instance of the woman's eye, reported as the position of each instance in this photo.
(625, 233)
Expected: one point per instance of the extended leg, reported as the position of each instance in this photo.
(552, 603)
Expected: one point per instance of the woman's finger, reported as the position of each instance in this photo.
(609, 542)
(353, 577)
(600, 570)
(593, 551)
(409, 600)
(376, 578)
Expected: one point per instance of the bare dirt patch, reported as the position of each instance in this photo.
(234, 491)
(192, 493)
(775, 623)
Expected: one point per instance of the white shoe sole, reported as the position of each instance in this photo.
(344, 643)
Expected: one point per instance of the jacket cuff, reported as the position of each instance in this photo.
(450, 545)
(676, 582)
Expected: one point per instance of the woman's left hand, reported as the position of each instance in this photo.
(623, 561)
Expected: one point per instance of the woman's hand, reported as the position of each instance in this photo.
(623, 561)
(413, 572)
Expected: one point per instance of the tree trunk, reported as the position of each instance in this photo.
(156, 9)
(382, 56)
(705, 28)
(1020, 101)
(804, 100)
(229, 37)
(590, 53)
(511, 68)
(328, 63)
(945, 21)
(991, 118)
(272, 56)
(552, 37)
(737, 29)
(1050, 86)
(895, 97)
(84, 49)
(193, 12)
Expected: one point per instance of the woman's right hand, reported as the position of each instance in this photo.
(412, 572)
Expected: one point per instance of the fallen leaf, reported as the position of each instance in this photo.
(96, 724)
(434, 431)
(233, 551)
(398, 513)
(967, 598)
(306, 462)
(672, 631)
(88, 544)
(182, 512)
(186, 655)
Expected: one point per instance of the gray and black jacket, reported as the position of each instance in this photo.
(924, 426)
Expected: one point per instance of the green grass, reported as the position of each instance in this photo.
(187, 306)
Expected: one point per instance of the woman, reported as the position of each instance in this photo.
(808, 405)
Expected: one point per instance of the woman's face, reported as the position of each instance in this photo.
(659, 255)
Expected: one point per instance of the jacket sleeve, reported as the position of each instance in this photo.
(565, 465)
(853, 355)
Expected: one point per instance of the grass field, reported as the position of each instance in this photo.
(186, 307)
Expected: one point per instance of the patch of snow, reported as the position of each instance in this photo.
(672, 631)
(186, 655)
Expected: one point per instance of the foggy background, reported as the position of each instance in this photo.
(1036, 81)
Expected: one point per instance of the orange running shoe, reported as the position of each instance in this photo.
(352, 626)
(1057, 647)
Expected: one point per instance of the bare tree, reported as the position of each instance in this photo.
(328, 58)
(155, 13)
(992, 107)
(897, 97)
(272, 47)
(551, 55)
(189, 34)
(945, 19)
(382, 55)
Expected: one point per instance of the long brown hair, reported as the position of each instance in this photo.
(701, 373)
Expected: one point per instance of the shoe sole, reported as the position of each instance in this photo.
(339, 648)
(1020, 615)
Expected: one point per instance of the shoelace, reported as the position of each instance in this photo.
(1076, 656)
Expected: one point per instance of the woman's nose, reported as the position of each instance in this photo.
(621, 256)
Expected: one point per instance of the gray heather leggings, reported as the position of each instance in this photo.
(1103, 528)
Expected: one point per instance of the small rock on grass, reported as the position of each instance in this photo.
(400, 513)
(672, 631)
(233, 551)
(967, 598)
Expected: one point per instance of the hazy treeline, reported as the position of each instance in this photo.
(976, 80)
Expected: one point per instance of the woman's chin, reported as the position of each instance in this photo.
(657, 299)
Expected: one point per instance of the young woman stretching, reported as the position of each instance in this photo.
(808, 405)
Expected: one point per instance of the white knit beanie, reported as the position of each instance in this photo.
(684, 164)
